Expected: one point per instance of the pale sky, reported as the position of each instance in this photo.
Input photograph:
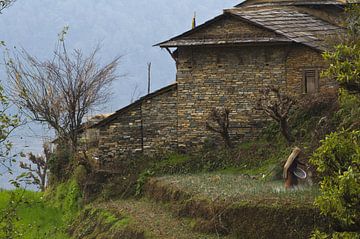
(122, 27)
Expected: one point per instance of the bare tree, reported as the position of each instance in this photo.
(60, 91)
(277, 106)
(5, 3)
(218, 122)
(38, 167)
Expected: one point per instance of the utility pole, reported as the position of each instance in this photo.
(149, 76)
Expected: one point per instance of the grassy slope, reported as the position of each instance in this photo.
(37, 219)
(156, 220)
(238, 187)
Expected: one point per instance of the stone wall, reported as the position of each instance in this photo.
(159, 116)
(121, 137)
(227, 76)
(144, 127)
(231, 77)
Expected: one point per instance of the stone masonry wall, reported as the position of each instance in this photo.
(160, 122)
(231, 77)
(147, 126)
(122, 136)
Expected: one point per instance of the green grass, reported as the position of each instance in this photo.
(237, 187)
(37, 218)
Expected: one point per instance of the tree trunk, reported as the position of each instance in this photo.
(227, 139)
(286, 131)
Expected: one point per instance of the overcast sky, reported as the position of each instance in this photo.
(126, 28)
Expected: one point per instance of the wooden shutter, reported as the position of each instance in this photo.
(310, 81)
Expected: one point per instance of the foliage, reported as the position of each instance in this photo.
(219, 122)
(80, 175)
(8, 216)
(140, 182)
(34, 218)
(344, 59)
(100, 223)
(336, 235)
(277, 106)
(348, 115)
(338, 158)
(8, 123)
(338, 164)
(62, 90)
(66, 196)
(40, 173)
(60, 164)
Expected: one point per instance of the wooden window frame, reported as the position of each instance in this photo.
(317, 80)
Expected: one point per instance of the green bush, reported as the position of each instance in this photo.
(344, 59)
(338, 164)
(348, 115)
(337, 235)
(67, 197)
(59, 165)
(80, 175)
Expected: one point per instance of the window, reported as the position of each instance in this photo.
(310, 81)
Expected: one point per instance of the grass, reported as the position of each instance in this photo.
(155, 220)
(37, 218)
(237, 187)
(43, 215)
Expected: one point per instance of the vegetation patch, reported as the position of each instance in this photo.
(35, 217)
(239, 206)
(102, 224)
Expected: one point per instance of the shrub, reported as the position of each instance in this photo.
(348, 115)
(338, 164)
(344, 59)
(59, 164)
(80, 175)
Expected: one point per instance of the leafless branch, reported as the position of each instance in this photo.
(277, 106)
(38, 167)
(5, 3)
(218, 122)
(62, 90)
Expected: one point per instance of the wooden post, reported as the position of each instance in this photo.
(149, 77)
(290, 178)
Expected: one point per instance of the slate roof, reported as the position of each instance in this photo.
(298, 27)
(293, 2)
(222, 41)
(288, 22)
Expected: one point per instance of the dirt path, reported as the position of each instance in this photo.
(156, 220)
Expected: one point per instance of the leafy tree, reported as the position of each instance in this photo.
(344, 59)
(338, 164)
(62, 90)
(8, 123)
(338, 158)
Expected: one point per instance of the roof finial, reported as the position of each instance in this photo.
(194, 21)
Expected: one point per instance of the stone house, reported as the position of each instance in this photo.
(224, 63)
(143, 127)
